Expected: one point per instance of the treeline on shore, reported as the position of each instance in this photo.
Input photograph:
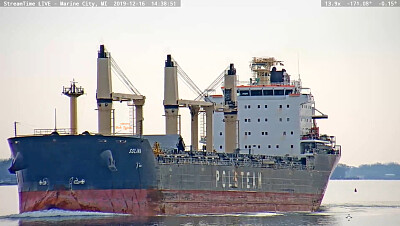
(377, 171)
(6, 178)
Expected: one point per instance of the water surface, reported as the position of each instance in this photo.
(374, 203)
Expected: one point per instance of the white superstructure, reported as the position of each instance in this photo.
(274, 113)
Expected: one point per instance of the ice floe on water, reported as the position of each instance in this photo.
(257, 214)
(57, 213)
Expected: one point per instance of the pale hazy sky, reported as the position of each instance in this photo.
(349, 57)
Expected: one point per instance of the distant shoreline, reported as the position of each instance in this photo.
(362, 179)
(377, 171)
(6, 184)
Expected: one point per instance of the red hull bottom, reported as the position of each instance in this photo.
(142, 202)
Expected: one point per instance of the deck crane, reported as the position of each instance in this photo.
(105, 96)
(201, 104)
(172, 104)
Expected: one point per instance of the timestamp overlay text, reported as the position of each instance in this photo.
(361, 3)
(90, 3)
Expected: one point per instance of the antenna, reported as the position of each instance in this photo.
(298, 64)
(55, 119)
(15, 128)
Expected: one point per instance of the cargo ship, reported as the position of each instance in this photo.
(261, 150)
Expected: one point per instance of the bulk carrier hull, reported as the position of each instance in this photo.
(287, 167)
(122, 174)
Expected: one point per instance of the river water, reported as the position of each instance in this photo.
(376, 202)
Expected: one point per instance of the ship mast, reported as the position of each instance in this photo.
(73, 92)
(261, 68)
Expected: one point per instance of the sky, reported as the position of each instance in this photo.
(349, 57)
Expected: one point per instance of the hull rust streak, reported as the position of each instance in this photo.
(142, 202)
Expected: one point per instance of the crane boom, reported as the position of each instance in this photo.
(189, 82)
(122, 77)
(213, 85)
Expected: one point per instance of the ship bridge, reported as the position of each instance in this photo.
(263, 90)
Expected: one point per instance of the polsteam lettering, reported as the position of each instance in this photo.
(229, 179)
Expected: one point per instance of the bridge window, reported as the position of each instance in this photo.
(244, 93)
(265, 106)
(277, 146)
(257, 92)
(288, 91)
(278, 92)
(268, 92)
(269, 146)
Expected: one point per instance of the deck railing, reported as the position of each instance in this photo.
(63, 131)
(275, 163)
